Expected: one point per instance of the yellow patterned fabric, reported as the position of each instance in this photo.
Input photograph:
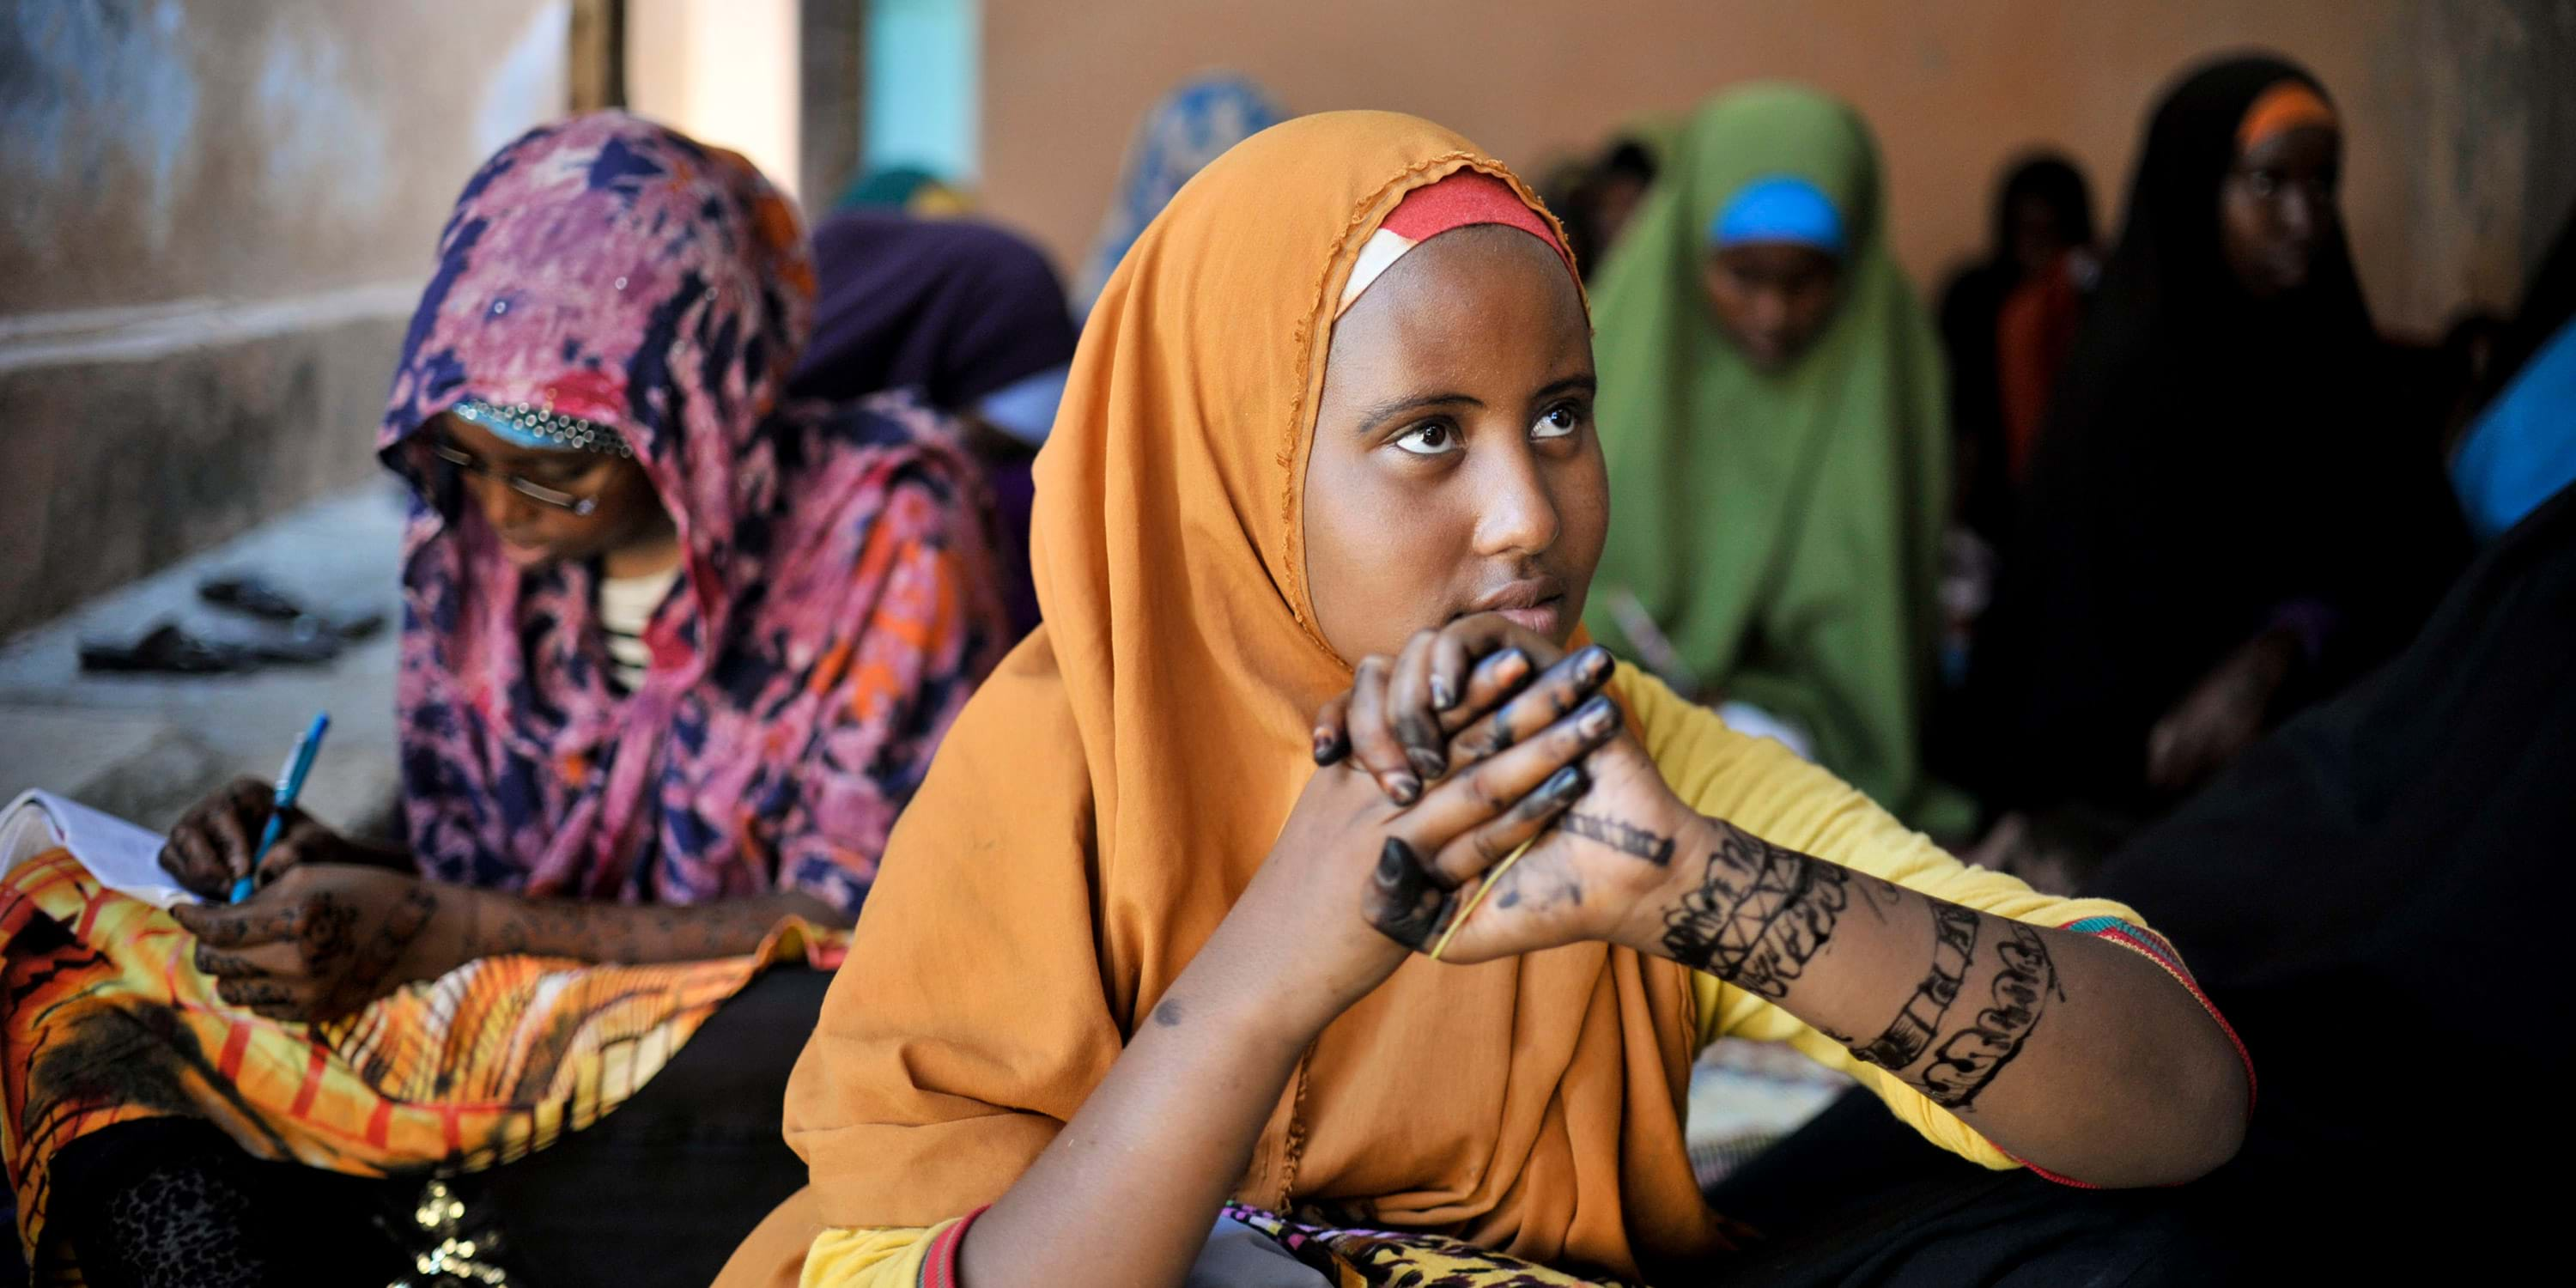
(1348, 1258)
(109, 1021)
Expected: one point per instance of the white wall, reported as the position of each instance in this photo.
(721, 71)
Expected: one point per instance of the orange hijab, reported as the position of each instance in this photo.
(1111, 790)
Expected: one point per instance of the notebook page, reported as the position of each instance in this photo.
(124, 858)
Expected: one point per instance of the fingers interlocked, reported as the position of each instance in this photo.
(1479, 815)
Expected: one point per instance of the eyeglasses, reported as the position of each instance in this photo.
(465, 463)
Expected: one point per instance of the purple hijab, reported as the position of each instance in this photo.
(954, 309)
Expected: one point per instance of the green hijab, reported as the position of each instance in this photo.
(1783, 529)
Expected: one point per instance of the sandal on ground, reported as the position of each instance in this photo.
(168, 649)
(250, 594)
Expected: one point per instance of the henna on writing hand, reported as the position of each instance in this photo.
(1621, 835)
(393, 936)
(322, 933)
(211, 962)
(1760, 914)
(248, 993)
(351, 973)
(1954, 939)
(1971, 1057)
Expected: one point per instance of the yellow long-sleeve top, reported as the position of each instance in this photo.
(1757, 785)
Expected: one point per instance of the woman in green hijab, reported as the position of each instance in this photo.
(1772, 409)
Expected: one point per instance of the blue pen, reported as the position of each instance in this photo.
(290, 783)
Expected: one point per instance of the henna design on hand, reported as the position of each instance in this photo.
(1909, 1035)
(1621, 835)
(1405, 902)
(322, 932)
(354, 973)
(249, 993)
(211, 962)
(1971, 1057)
(393, 935)
(1760, 915)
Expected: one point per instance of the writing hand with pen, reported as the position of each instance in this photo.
(333, 923)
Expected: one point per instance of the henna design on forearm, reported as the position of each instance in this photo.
(599, 932)
(1971, 1057)
(1760, 915)
(1621, 835)
(1879, 895)
(1909, 1035)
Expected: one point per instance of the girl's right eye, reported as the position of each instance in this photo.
(1430, 438)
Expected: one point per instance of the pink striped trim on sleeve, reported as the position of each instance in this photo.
(939, 1267)
(2154, 947)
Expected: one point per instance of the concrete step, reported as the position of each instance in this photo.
(148, 746)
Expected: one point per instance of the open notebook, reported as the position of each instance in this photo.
(124, 858)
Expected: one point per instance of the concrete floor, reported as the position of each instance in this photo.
(146, 747)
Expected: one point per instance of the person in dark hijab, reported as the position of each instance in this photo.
(2357, 887)
(2357, 894)
(2225, 520)
(1596, 196)
(972, 317)
(2042, 252)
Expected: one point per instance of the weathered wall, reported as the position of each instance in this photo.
(214, 216)
(2462, 112)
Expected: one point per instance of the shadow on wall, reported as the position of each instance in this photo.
(214, 221)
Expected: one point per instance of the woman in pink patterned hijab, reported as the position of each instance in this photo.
(668, 638)
(676, 649)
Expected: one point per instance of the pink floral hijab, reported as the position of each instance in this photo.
(835, 606)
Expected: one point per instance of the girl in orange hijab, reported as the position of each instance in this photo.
(1141, 988)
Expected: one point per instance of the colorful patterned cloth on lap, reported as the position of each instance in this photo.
(837, 603)
(1349, 1258)
(110, 1021)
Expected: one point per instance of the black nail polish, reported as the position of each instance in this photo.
(1565, 782)
(1330, 748)
(1596, 660)
(1597, 715)
(1430, 764)
(1406, 791)
(1441, 697)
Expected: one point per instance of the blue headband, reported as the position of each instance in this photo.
(1778, 208)
(540, 428)
(2522, 450)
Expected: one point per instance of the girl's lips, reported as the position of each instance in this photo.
(1545, 619)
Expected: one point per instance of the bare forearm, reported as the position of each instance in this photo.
(2074, 1054)
(1125, 1194)
(497, 924)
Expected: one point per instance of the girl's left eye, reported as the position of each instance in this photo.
(1431, 438)
(1558, 421)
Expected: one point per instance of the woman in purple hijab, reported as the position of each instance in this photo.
(972, 318)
